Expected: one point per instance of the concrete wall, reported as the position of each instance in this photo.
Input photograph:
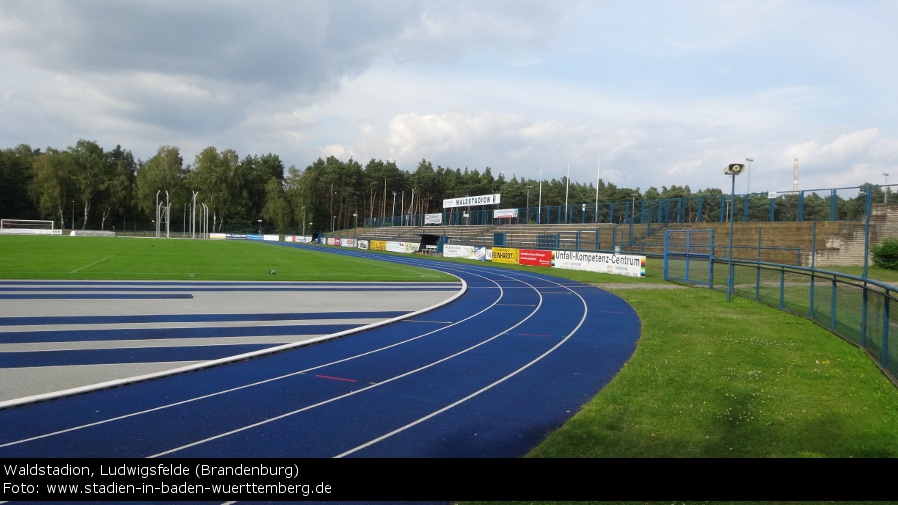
(838, 243)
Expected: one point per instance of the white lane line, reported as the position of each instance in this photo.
(246, 386)
(367, 388)
(92, 264)
(482, 390)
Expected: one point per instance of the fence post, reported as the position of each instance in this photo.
(832, 205)
(868, 207)
(758, 269)
(782, 288)
(832, 309)
(813, 279)
(666, 256)
(711, 260)
(884, 356)
(864, 317)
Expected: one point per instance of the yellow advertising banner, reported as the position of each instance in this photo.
(377, 245)
(506, 255)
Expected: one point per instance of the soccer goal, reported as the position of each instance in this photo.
(28, 227)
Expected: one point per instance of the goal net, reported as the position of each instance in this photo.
(28, 227)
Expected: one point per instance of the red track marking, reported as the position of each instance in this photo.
(335, 378)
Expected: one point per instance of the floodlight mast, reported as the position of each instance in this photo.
(193, 216)
(732, 170)
(157, 214)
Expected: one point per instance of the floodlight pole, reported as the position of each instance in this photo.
(731, 281)
(167, 216)
(193, 216)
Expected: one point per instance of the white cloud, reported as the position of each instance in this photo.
(841, 150)
(664, 94)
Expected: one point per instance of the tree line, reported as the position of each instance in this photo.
(93, 188)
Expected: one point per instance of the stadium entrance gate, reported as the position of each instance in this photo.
(688, 256)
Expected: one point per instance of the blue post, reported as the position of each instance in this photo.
(868, 207)
(667, 251)
(711, 260)
(782, 288)
(832, 308)
(758, 269)
(832, 205)
(813, 253)
(884, 357)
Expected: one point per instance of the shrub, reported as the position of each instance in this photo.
(885, 255)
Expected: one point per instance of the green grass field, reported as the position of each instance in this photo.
(94, 258)
(708, 379)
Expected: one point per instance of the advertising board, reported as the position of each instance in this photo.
(506, 255)
(606, 263)
(534, 257)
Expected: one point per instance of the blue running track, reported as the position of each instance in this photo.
(487, 375)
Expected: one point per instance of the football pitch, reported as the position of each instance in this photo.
(116, 258)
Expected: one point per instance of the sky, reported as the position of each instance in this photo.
(639, 93)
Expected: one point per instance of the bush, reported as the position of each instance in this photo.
(885, 255)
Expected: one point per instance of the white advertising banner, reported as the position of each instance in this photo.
(606, 263)
(458, 251)
(505, 213)
(467, 252)
(402, 247)
(433, 219)
(466, 201)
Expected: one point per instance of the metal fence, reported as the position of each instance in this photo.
(828, 204)
(856, 308)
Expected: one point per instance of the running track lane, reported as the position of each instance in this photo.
(489, 375)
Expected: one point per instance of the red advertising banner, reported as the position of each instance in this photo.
(535, 258)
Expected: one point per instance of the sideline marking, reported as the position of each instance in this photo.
(92, 264)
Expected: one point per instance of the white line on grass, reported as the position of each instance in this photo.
(92, 264)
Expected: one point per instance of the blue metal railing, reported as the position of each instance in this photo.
(830, 204)
(856, 308)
